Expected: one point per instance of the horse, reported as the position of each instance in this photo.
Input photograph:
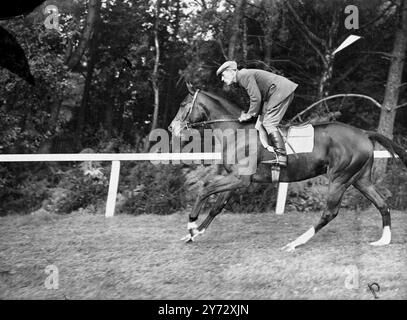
(343, 152)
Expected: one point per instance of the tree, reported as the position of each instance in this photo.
(323, 47)
(237, 18)
(154, 77)
(74, 57)
(389, 107)
(271, 12)
(173, 48)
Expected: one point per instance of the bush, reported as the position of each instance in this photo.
(20, 190)
(255, 198)
(77, 190)
(149, 188)
(24, 198)
(308, 195)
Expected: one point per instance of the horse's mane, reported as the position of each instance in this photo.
(233, 108)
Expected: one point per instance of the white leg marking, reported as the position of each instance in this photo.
(385, 239)
(302, 239)
(192, 225)
(193, 232)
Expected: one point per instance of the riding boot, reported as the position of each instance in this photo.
(279, 147)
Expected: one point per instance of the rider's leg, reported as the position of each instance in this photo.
(272, 117)
(279, 146)
(263, 136)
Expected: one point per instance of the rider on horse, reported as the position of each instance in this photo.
(273, 91)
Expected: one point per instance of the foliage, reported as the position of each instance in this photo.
(21, 193)
(77, 189)
(153, 188)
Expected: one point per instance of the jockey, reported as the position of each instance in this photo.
(270, 96)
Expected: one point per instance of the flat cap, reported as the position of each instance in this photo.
(227, 65)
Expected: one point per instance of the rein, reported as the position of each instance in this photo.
(204, 123)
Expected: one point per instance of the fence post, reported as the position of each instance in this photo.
(113, 187)
(281, 197)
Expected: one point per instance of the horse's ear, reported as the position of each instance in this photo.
(191, 88)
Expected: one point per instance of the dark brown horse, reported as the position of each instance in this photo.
(343, 152)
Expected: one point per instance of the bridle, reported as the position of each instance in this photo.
(201, 123)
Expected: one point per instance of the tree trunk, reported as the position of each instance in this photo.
(171, 73)
(154, 76)
(156, 65)
(93, 13)
(388, 112)
(268, 28)
(244, 42)
(237, 17)
(328, 61)
(55, 109)
(81, 116)
(326, 76)
(109, 108)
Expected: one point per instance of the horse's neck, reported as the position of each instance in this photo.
(219, 110)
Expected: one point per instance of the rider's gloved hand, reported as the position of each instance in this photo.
(245, 117)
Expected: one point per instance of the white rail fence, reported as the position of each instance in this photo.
(115, 158)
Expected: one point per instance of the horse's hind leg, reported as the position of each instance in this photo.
(366, 187)
(335, 193)
(340, 179)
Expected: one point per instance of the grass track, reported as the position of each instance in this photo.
(141, 257)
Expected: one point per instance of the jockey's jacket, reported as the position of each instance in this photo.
(265, 88)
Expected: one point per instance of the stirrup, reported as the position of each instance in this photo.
(273, 152)
(282, 160)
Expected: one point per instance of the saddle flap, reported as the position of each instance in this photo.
(300, 138)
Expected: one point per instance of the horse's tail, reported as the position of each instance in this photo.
(390, 145)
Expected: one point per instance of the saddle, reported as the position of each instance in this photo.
(298, 139)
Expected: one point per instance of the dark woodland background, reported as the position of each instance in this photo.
(117, 69)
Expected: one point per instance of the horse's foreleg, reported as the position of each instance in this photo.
(335, 194)
(220, 203)
(193, 216)
(226, 184)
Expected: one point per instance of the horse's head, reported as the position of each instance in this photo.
(191, 110)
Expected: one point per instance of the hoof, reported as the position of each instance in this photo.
(193, 233)
(379, 243)
(288, 248)
(188, 238)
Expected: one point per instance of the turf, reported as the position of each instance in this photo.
(142, 257)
